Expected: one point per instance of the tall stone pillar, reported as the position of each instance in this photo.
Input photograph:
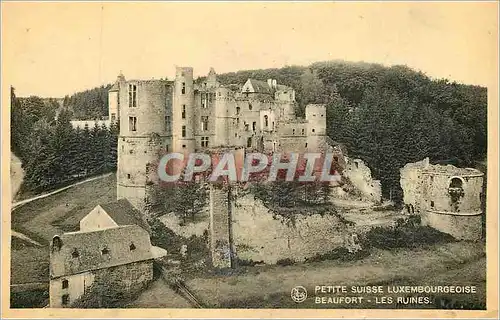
(221, 243)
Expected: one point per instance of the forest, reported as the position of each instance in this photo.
(386, 116)
(389, 116)
(53, 153)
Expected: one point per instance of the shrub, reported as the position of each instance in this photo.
(285, 262)
(29, 299)
(407, 233)
(341, 254)
(248, 263)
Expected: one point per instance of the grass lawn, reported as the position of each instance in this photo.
(41, 219)
(458, 263)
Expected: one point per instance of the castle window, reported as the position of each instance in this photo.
(273, 125)
(105, 251)
(246, 126)
(183, 146)
(183, 131)
(254, 126)
(167, 123)
(132, 123)
(56, 243)
(75, 253)
(183, 90)
(237, 110)
(65, 299)
(266, 121)
(432, 204)
(249, 142)
(293, 131)
(306, 144)
(183, 111)
(204, 123)
(249, 106)
(113, 117)
(313, 130)
(128, 175)
(218, 94)
(65, 284)
(167, 147)
(204, 142)
(132, 95)
(132, 246)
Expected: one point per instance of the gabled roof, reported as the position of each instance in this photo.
(260, 86)
(83, 251)
(123, 213)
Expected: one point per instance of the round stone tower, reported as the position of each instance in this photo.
(452, 201)
(143, 139)
(183, 111)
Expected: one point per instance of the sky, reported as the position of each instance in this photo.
(54, 49)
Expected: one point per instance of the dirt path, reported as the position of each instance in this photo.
(23, 202)
(25, 238)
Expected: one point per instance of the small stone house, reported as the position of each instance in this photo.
(111, 250)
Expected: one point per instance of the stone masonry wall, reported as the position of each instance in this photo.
(258, 236)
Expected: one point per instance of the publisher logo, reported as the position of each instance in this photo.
(299, 294)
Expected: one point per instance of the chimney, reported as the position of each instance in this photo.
(275, 83)
(270, 83)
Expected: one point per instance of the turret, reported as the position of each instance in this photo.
(183, 113)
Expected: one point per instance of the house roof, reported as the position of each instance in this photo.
(260, 86)
(124, 213)
(88, 248)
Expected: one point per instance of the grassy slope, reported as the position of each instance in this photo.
(44, 218)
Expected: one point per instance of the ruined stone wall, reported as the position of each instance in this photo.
(219, 228)
(360, 177)
(260, 237)
(204, 102)
(447, 198)
(113, 105)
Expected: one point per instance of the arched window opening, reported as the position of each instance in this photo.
(456, 192)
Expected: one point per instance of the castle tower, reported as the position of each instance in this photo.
(143, 139)
(212, 79)
(114, 100)
(183, 111)
(316, 126)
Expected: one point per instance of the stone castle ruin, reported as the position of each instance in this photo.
(446, 197)
(184, 115)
